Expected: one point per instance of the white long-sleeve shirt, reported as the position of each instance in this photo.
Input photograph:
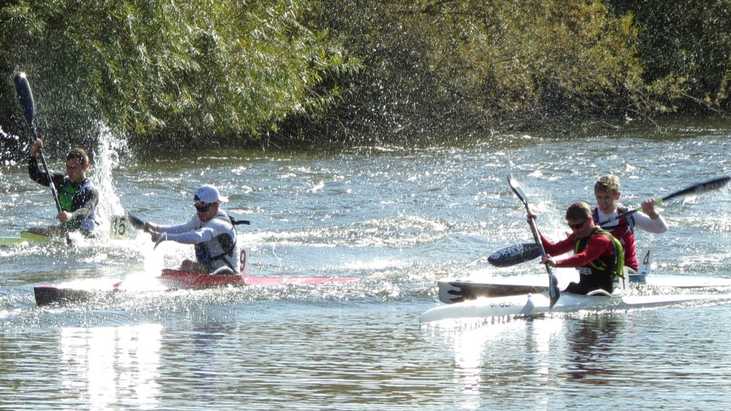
(196, 231)
(642, 221)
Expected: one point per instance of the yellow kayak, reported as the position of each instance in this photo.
(26, 237)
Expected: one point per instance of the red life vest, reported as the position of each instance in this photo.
(624, 231)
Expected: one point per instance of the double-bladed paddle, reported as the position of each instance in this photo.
(698, 188)
(553, 292)
(25, 96)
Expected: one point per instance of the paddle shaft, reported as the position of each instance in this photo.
(537, 239)
(141, 225)
(553, 291)
(54, 193)
(698, 188)
(136, 222)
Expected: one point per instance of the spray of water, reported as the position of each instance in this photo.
(109, 153)
(109, 150)
(7, 140)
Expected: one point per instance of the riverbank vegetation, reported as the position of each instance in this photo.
(203, 72)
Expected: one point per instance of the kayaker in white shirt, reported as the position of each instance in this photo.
(210, 230)
(608, 215)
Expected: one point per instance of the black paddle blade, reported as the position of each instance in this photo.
(136, 222)
(46, 295)
(710, 185)
(25, 96)
(514, 254)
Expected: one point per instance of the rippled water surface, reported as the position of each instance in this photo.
(397, 219)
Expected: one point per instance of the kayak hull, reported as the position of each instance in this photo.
(456, 291)
(176, 280)
(120, 229)
(45, 295)
(25, 237)
(531, 305)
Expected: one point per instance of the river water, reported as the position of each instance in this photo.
(398, 219)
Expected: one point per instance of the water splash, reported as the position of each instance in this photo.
(107, 158)
(7, 144)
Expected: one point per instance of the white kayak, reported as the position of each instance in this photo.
(455, 291)
(530, 305)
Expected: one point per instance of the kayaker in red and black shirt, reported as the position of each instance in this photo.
(76, 194)
(598, 256)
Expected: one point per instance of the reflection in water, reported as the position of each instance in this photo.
(538, 353)
(591, 341)
(489, 355)
(468, 349)
(213, 342)
(112, 366)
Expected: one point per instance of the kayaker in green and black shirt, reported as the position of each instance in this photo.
(76, 194)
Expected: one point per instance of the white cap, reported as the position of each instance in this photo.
(209, 194)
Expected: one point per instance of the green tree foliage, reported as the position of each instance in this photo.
(501, 61)
(459, 65)
(178, 71)
(203, 71)
(685, 48)
(396, 94)
(550, 56)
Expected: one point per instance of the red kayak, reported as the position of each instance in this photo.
(186, 280)
(176, 279)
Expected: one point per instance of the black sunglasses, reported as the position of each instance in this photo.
(577, 225)
(202, 207)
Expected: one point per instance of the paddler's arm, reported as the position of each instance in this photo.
(35, 172)
(167, 231)
(173, 229)
(598, 245)
(558, 248)
(191, 237)
(89, 200)
(561, 247)
(649, 219)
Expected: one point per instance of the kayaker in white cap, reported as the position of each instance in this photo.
(211, 231)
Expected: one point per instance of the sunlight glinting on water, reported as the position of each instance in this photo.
(112, 366)
(397, 220)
